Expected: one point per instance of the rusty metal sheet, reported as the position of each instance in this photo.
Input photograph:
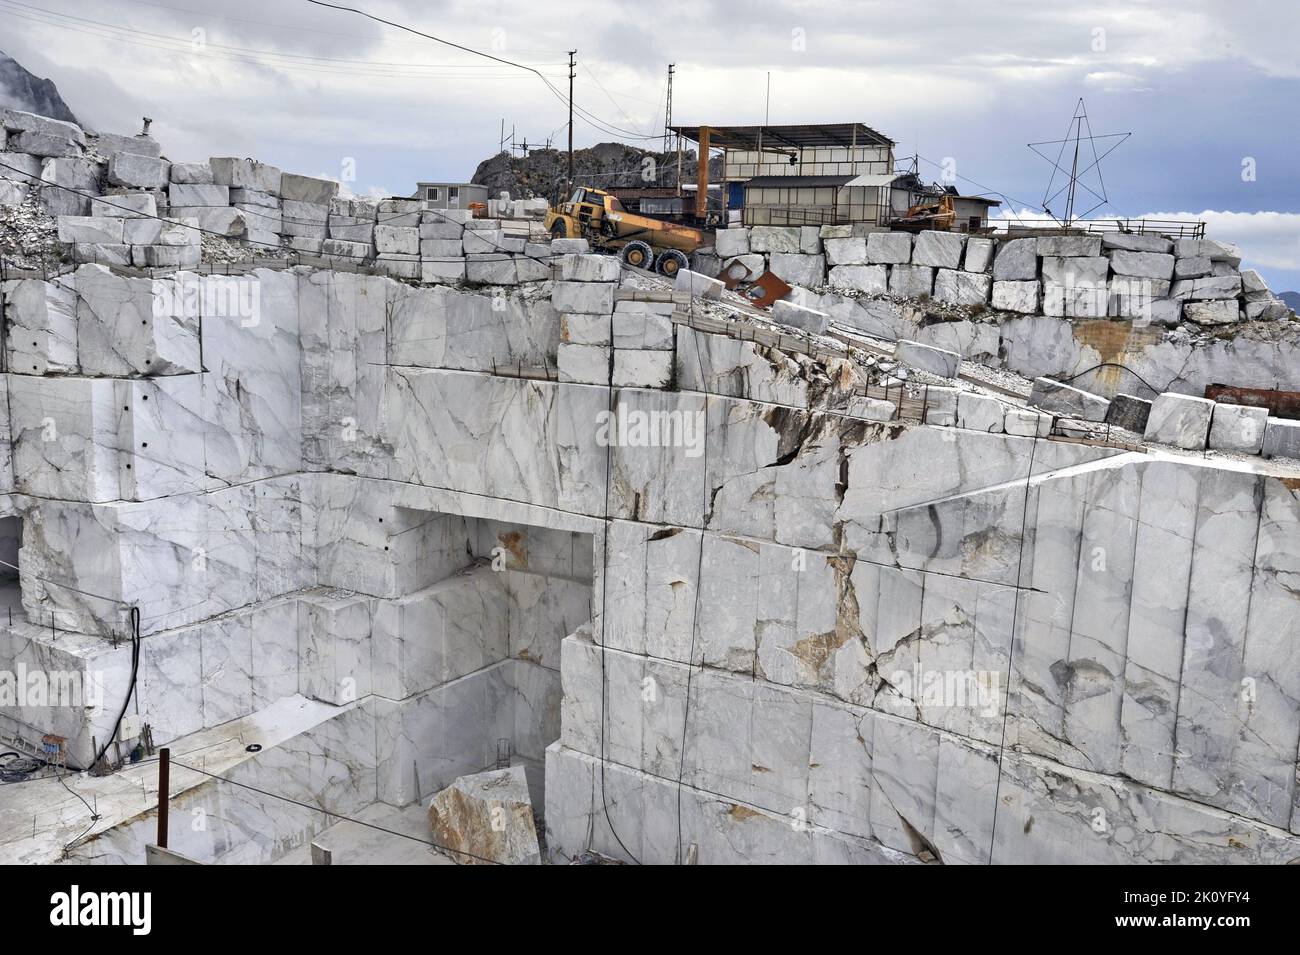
(737, 273)
(766, 289)
(1280, 404)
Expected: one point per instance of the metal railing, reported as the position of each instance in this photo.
(1173, 228)
(792, 216)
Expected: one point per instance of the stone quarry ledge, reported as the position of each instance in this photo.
(130, 795)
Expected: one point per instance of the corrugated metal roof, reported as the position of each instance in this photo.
(796, 182)
(874, 179)
(802, 136)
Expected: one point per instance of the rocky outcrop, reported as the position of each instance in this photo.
(23, 90)
(545, 172)
(486, 818)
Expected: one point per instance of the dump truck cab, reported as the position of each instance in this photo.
(589, 206)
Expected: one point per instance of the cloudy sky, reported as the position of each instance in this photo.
(1209, 90)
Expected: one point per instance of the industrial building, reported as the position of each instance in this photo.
(819, 174)
(450, 195)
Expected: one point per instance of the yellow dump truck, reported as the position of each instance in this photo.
(640, 241)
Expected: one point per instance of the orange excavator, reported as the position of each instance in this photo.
(939, 214)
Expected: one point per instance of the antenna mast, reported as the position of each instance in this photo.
(1075, 178)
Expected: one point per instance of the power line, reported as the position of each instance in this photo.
(608, 96)
(289, 61)
(589, 117)
(296, 28)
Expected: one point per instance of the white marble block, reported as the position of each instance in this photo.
(334, 646)
(440, 633)
(65, 442)
(1180, 420)
(134, 326)
(1238, 428)
(42, 332)
(588, 298)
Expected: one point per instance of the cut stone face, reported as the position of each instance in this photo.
(1017, 260)
(861, 278)
(980, 413)
(1151, 265)
(1069, 245)
(851, 251)
(697, 285)
(795, 268)
(889, 248)
(911, 281)
(42, 335)
(731, 242)
(1015, 296)
(807, 319)
(1281, 439)
(134, 326)
(307, 189)
(939, 249)
(1136, 242)
(1180, 420)
(1064, 399)
(937, 361)
(962, 288)
(979, 254)
(138, 172)
(1238, 428)
(1129, 412)
(590, 268)
(246, 174)
(767, 238)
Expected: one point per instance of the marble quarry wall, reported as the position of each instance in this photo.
(824, 636)
(713, 598)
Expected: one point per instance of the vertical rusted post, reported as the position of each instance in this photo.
(702, 177)
(164, 786)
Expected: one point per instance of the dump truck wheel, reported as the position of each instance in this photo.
(671, 262)
(559, 230)
(637, 254)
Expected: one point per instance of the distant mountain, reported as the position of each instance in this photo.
(1292, 300)
(20, 89)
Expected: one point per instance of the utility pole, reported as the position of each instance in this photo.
(767, 108)
(668, 117)
(572, 74)
(668, 108)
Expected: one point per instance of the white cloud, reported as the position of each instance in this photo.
(1265, 239)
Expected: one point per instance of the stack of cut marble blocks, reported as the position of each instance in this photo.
(126, 230)
(1136, 276)
(435, 246)
(595, 326)
(69, 169)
